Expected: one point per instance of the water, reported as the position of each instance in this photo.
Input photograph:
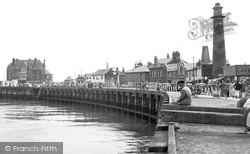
(82, 129)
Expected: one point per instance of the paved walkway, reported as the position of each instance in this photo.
(210, 139)
(208, 101)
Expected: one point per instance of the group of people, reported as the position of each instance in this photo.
(222, 89)
(244, 102)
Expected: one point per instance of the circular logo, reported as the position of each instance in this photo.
(7, 148)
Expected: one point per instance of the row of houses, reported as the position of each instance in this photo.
(164, 70)
(170, 70)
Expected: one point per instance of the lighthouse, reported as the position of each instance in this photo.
(219, 52)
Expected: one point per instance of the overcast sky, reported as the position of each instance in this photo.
(81, 36)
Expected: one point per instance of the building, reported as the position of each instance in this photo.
(203, 69)
(103, 76)
(172, 68)
(88, 77)
(167, 70)
(28, 71)
(139, 73)
(80, 79)
(158, 70)
(236, 73)
(69, 80)
(119, 77)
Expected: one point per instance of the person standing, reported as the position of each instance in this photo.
(243, 88)
(222, 88)
(231, 90)
(218, 89)
(186, 94)
(237, 87)
(247, 85)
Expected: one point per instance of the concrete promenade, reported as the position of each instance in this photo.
(207, 138)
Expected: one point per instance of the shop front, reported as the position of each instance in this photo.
(236, 73)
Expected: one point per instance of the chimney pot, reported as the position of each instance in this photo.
(155, 59)
(35, 61)
(13, 61)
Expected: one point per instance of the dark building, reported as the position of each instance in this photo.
(30, 71)
(80, 79)
(236, 73)
(120, 77)
(158, 71)
(172, 67)
(137, 74)
(104, 76)
(219, 53)
(205, 64)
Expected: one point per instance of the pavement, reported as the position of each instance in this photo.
(207, 138)
(207, 101)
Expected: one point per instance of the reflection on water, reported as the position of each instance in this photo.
(82, 129)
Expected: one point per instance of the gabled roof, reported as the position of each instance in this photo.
(68, 78)
(29, 62)
(101, 72)
(88, 74)
(143, 68)
(158, 65)
(121, 73)
(80, 78)
(164, 60)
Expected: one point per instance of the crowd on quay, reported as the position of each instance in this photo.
(221, 88)
(217, 89)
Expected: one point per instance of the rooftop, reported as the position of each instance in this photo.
(143, 68)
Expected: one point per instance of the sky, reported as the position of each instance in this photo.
(81, 36)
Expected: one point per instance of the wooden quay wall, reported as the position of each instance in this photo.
(137, 102)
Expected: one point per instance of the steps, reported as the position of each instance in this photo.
(202, 115)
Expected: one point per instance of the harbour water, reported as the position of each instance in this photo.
(82, 129)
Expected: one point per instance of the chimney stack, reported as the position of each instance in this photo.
(205, 59)
(176, 56)
(155, 59)
(139, 64)
(107, 65)
(149, 63)
(44, 63)
(35, 61)
(13, 61)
